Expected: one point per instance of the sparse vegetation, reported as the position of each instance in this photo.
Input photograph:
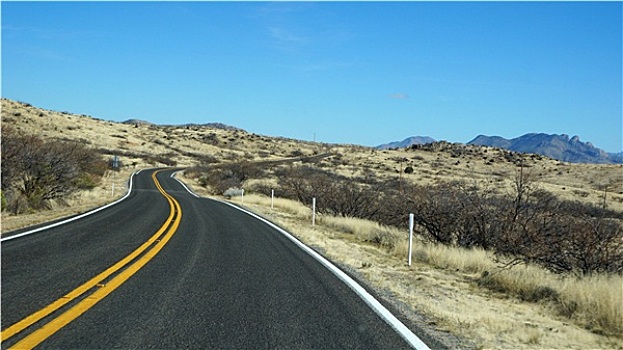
(484, 232)
(592, 302)
(527, 223)
(499, 227)
(35, 172)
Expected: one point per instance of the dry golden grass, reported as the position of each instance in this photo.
(77, 203)
(139, 143)
(596, 301)
(520, 307)
(583, 182)
(443, 282)
(142, 141)
(474, 260)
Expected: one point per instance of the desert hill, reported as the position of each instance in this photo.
(461, 306)
(142, 145)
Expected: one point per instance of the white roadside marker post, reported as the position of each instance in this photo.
(411, 221)
(272, 199)
(313, 211)
(242, 195)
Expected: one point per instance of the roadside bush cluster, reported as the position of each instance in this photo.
(474, 224)
(528, 223)
(219, 178)
(533, 225)
(34, 171)
(334, 194)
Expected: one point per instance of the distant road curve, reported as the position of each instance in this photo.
(305, 159)
(212, 276)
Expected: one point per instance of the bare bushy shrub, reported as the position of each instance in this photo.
(333, 194)
(164, 158)
(509, 238)
(36, 171)
(531, 224)
(527, 223)
(221, 177)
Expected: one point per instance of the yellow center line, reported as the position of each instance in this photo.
(53, 326)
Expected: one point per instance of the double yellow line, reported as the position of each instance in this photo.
(97, 287)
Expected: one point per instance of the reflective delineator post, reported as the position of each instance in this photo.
(313, 211)
(411, 221)
(242, 195)
(272, 199)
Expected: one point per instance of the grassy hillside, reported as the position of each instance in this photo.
(144, 145)
(469, 293)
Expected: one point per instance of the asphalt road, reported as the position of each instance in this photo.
(222, 279)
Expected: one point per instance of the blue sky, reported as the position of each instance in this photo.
(349, 72)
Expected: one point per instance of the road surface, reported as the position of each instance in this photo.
(164, 269)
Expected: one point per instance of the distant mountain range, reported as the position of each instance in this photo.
(560, 147)
(415, 140)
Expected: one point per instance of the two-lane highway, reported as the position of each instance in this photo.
(209, 276)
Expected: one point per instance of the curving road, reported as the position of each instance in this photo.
(164, 269)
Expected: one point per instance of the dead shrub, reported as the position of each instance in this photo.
(221, 177)
(36, 171)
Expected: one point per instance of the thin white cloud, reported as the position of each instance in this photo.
(285, 35)
(293, 27)
(400, 96)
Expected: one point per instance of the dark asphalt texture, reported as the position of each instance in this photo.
(224, 281)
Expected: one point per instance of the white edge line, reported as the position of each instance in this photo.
(374, 304)
(385, 314)
(74, 217)
(183, 184)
